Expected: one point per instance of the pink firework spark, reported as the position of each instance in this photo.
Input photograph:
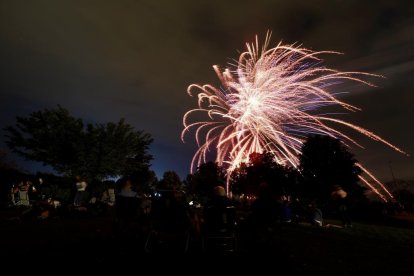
(268, 102)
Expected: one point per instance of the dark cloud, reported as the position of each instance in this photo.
(109, 59)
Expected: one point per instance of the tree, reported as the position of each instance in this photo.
(5, 163)
(113, 149)
(207, 176)
(145, 179)
(261, 167)
(406, 198)
(56, 138)
(50, 136)
(326, 162)
(239, 180)
(170, 181)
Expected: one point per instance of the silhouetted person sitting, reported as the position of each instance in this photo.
(219, 213)
(263, 216)
(126, 206)
(299, 212)
(169, 214)
(264, 210)
(170, 224)
(109, 195)
(315, 215)
(286, 212)
(23, 193)
(218, 230)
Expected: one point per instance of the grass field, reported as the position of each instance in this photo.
(365, 248)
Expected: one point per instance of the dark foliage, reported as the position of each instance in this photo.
(56, 138)
(206, 177)
(326, 162)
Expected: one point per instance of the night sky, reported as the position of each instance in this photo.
(108, 59)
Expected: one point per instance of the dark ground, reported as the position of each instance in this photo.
(367, 248)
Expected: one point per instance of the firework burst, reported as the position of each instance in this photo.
(269, 101)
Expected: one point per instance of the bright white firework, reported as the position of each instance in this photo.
(268, 102)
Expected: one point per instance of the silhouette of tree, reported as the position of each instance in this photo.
(170, 181)
(238, 180)
(326, 162)
(56, 138)
(262, 167)
(145, 179)
(406, 198)
(207, 176)
(5, 163)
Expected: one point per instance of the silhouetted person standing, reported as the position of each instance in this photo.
(80, 191)
(341, 199)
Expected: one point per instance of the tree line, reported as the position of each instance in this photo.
(74, 148)
(97, 151)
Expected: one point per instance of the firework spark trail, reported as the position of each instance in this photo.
(375, 180)
(375, 190)
(267, 103)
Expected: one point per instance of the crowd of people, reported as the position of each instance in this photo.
(38, 199)
(175, 215)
